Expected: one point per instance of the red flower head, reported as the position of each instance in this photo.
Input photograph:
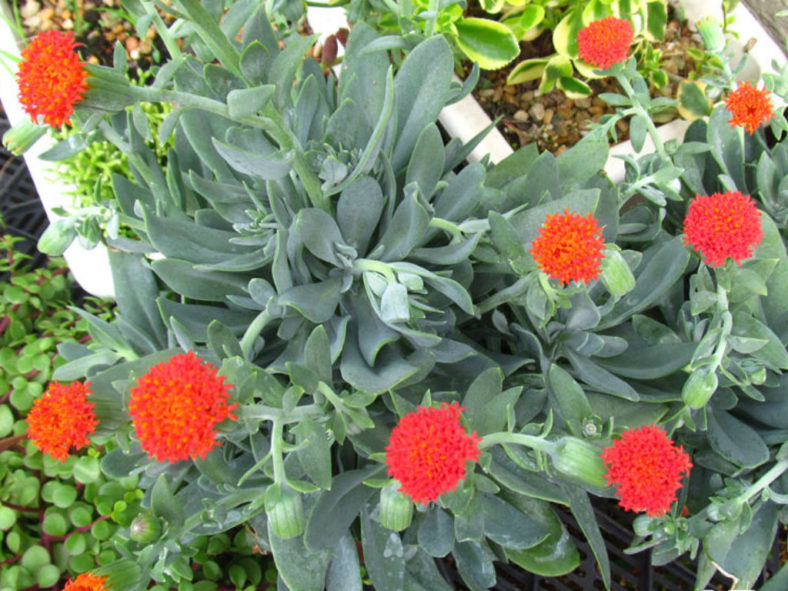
(176, 406)
(723, 225)
(51, 77)
(569, 247)
(87, 582)
(750, 106)
(646, 467)
(62, 418)
(427, 452)
(605, 42)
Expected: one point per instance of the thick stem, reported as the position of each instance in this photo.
(641, 111)
(252, 332)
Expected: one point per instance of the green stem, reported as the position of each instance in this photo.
(163, 31)
(252, 332)
(641, 111)
(430, 24)
(725, 329)
(504, 437)
(270, 413)
(276, 452)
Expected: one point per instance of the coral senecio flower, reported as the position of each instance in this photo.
(51, 77)
(605, 42)
(86, 582)
(61, 419)
(569, 247)
(722, 226)
(646, 467)
(749, 107)
(176, 406)
(427, 452)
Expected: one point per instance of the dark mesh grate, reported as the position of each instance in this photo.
(20, 207)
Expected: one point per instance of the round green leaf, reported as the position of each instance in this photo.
(34, 558)
(106, 557)
(55, 524)
(81, 563)
(87, 469)
(101, 530)
(47, 576)
(75, 544)
(489, 43)
(81, 514)
(7, 518)
(14, 541)
(6, 420)
(64, 496)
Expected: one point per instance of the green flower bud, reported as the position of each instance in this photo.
(699, 387)
(580, 460)
(616, 274)
(20, 137)
(286, 515)
(711, 33)
(758, 377)
(396, 511)
(145, 528)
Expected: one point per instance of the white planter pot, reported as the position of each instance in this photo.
(89, 267)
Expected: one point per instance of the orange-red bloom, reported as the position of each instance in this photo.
(749, 107)
(427, 452)
(62, 418)
(646, 467)
(605, 42)
(86, 582)
(51, 77)
(569, 247)
(176, 406)
(722, 226)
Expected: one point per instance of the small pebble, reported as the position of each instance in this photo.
(30, 9)
(548, 116)
(537, 111)
(520, 115)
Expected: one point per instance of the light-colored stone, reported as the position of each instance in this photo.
(537, 112)
(520, 115)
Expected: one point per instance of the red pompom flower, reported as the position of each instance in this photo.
(569, 247)
(176, 406)
(427, 452)
(749, 107)
(61, 419)
(86, 582)
(722, 226)
(605, 42)
(646, 467)
(51, 77)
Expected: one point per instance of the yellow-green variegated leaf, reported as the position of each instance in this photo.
(527, 70)
(491, 6)
(656, 21)
(565, 33)
(585, 70)
(558, 66)
(595, 10)
(574, 88)
(526, 22)
(488, 43)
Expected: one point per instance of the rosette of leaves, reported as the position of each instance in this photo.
(648, 19)
(320, 243)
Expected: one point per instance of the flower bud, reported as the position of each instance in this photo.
(20, 137)
(699, 387)
(616, 274)
(395, 510)
(711, 33)
(145, 528)
(286, 515)
(580, 460)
